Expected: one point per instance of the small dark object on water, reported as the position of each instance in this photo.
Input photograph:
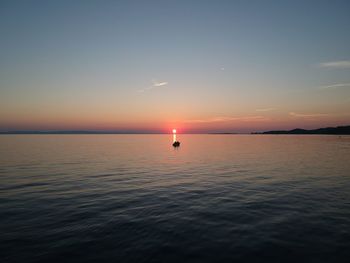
(176, 144)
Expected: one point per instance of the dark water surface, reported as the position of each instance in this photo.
(134, 198)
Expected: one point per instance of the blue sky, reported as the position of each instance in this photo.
(151, 65)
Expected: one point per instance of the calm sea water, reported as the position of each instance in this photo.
(134, 198)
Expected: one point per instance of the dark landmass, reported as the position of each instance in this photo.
(340, 130)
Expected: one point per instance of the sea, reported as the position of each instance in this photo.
(136, 198)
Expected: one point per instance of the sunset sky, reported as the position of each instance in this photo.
(150, 66)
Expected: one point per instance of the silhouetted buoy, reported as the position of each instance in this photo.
(176, 144)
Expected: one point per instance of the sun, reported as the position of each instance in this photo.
(174, 131)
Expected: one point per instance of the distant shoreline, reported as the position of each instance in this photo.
(71, 132)
(340, 130)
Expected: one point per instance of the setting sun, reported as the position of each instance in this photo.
(174, 130)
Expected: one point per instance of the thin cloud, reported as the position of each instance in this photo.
(228, 119)
(336, 64)
(310, 115)
(266, 109)
(336, 86)
(159, 84)
(155, 84)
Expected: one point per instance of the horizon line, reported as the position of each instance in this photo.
(4, 132)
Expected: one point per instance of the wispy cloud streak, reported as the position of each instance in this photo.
(336, 64)
(229, 119)
(310, 115)
(155, 84)
(266, 109)
(159, 84)
(335, 86)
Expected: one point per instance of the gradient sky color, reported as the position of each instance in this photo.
(150, 66)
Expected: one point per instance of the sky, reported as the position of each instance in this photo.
(150, 66)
